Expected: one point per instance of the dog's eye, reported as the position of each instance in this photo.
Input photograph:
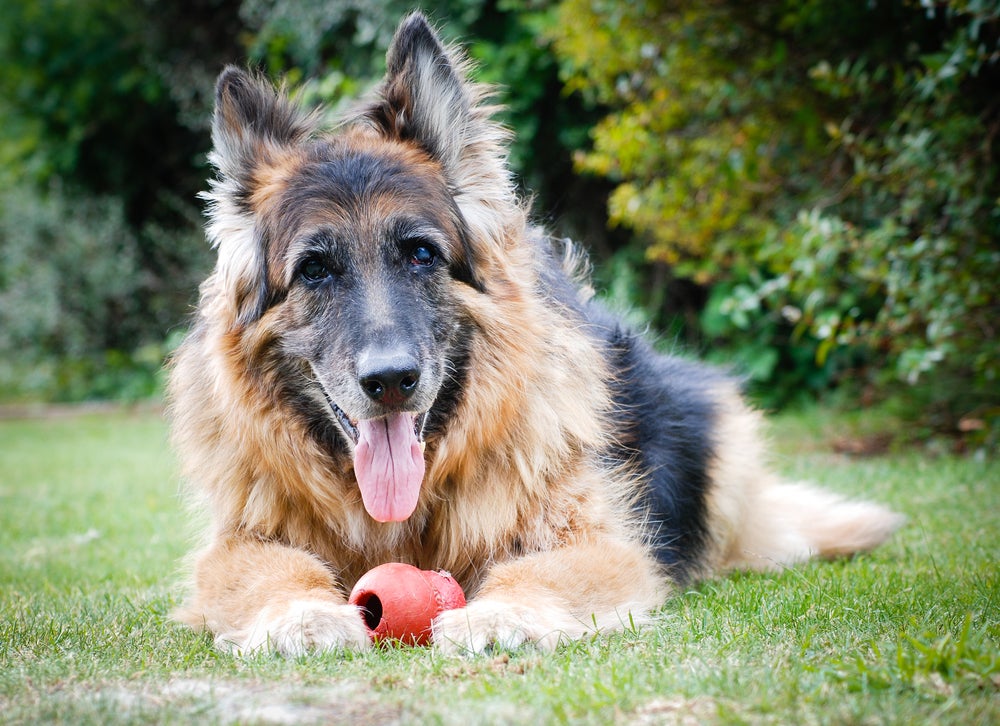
(314, 270)
(423, 255)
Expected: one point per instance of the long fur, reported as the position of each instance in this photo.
(572, 474)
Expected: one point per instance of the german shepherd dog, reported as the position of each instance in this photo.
(390, 363)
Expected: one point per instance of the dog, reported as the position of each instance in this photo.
(390, 362)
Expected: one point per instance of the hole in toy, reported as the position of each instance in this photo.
(371, 610)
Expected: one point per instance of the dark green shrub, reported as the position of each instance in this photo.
(78, 315)
(828, 170)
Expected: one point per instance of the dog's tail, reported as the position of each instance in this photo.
(767, 524)
(788, 523)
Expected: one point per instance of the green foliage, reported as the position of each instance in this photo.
(807, 188)
(829, 169)
(336, 50)
(99, 165)
(88, 101)
(68, 273)
(904, 265)
(694, 144)
(75, 308)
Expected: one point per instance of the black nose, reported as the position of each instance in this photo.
(388, 377)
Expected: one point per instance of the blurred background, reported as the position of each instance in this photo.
(804, 190)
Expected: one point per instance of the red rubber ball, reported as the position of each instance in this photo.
(398, 602)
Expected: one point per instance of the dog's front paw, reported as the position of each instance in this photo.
(485, 624)
(297, 627)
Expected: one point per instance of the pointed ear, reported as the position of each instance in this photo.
(252, 121)
(428, 99)
(425, 95)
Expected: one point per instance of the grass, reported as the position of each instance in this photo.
(92, 534)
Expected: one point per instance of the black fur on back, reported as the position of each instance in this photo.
(666, 427)
(665, 421)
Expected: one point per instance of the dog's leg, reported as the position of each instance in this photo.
(261, 596)
(547, 597)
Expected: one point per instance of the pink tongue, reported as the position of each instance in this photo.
(390, 467)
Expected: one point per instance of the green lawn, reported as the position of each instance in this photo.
(92, 536)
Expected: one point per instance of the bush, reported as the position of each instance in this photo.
(78, 316)
(102, 149)
(828, 170)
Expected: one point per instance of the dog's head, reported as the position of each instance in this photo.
(346, 251)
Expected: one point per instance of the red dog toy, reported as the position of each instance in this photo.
(398, 602)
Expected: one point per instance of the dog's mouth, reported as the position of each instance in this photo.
(350, 426)
(388, 461)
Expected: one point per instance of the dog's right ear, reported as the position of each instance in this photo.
(253, 121)
(254, 124)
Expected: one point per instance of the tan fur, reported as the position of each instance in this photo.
(516, 502)
(761, 523)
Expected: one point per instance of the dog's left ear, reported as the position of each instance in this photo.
(427, 99)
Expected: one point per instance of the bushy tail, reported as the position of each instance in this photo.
(789, 523)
